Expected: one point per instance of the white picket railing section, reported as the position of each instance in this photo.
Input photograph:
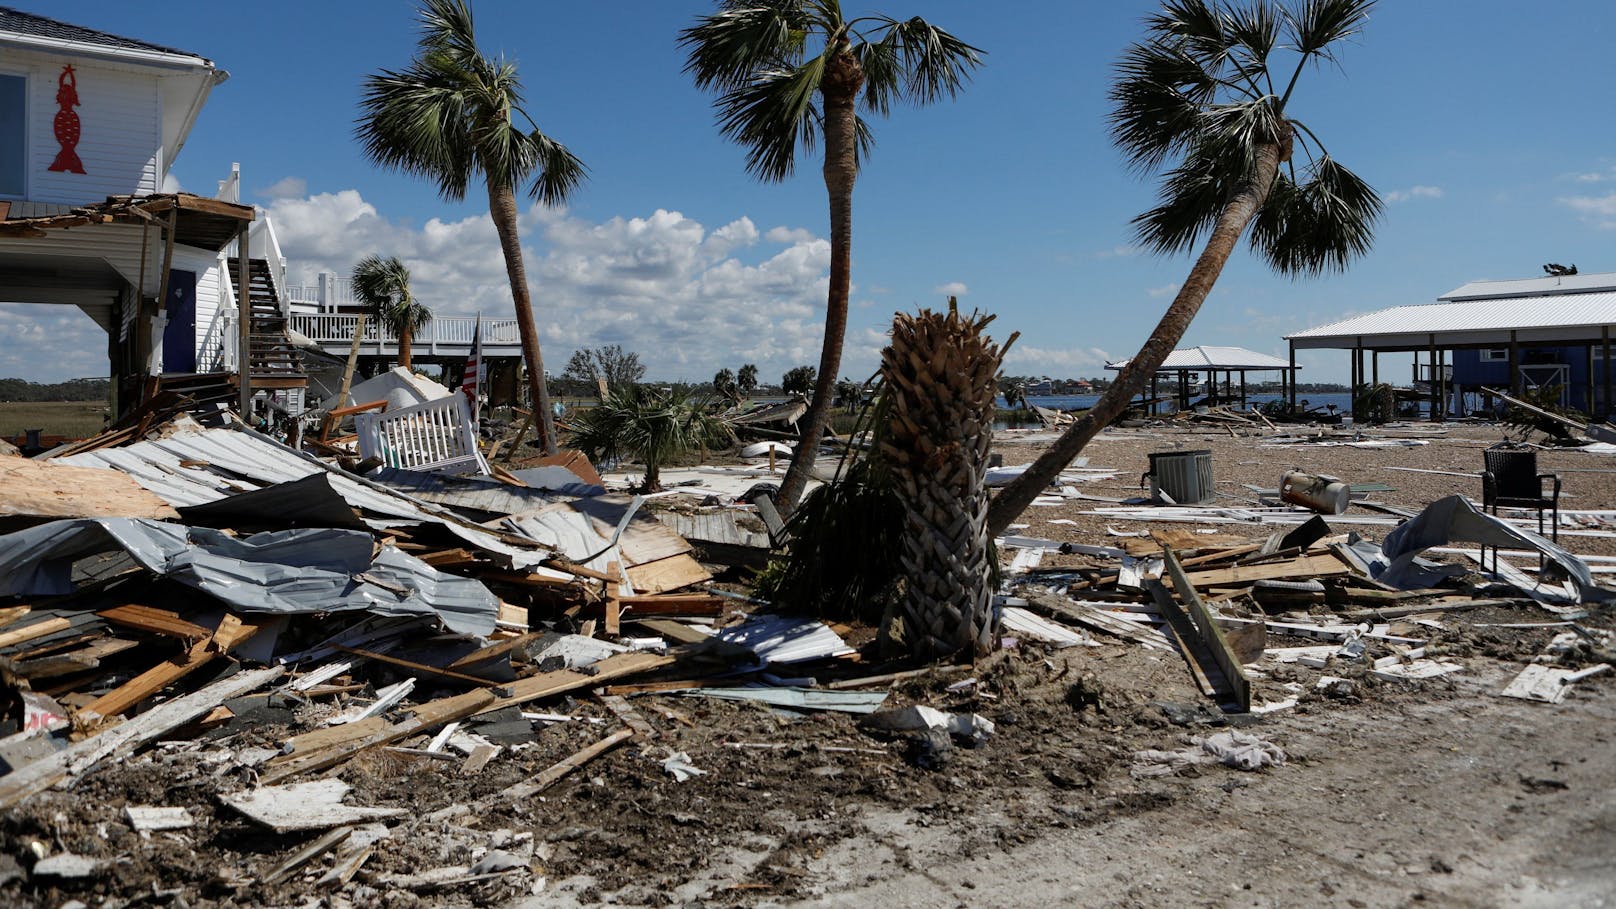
(434, 435)
(445, 334)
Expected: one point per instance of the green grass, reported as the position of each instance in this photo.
(73, 419)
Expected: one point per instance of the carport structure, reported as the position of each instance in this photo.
(1186, 362)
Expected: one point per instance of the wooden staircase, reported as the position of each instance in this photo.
(272, 361)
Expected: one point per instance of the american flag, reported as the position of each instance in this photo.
(476, 367)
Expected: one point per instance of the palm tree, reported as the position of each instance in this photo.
(451, 115)
(636, 421)
(790, 73)
(746, 379)
(1206, 97)
(940, 373)
(383, 285)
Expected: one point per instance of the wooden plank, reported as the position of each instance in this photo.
(123, 738)
(417, 667)
(231, 632)
(307, 854)
(47, 489)
(512, 615)
(485, 654)
(677, 632)
(12, 614)
(1205, 623)
(1093, 617)
(563, 680)
(614, 608)
(34, 630)
(630, 717)
(670, 573)
(561, 768)
(1182, 629)
(364, 734)
(1307, 567)
(157, 621)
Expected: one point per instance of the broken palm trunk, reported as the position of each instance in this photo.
(940, 374)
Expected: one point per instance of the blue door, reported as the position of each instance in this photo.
(179, 338)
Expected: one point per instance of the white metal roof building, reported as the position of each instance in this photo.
(1568, 311)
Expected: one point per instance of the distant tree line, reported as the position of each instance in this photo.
(71, 390)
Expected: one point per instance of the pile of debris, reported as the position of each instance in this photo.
(1235, 609)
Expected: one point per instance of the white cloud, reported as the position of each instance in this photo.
(686, 298)
(286, 188)
(1121, 251)
(1414, 192)
(50, 343)
(788, 235)
(1598, 209)
(952, 289)
(1024, 359)
(1166, 290)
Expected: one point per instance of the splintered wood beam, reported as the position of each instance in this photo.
(417, 667)
(561, 768)
(1212, 635)
(485, 654)
(156, 621)
(230, 633)
(613, 607)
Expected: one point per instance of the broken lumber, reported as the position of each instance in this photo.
(81, 757)
(1210, 633)
(561, 768)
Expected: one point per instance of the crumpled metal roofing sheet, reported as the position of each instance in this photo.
(286, 571)
(785, 639)
(157, 465)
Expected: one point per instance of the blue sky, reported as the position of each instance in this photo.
(1486, 124)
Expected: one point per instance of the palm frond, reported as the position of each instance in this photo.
(728, 48)
(770, 115)
(1254, 30)
(446, 26)
(1192, 195)
(1158, 100)
(560, 172)
(935, 64)
(1321, 23)
(1319, 225)
(383, 285)
(414, 121)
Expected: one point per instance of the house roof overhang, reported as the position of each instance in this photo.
(200, 222)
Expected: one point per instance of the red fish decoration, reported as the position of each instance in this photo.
(67, 124)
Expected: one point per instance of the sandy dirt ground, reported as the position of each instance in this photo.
(1391, 794)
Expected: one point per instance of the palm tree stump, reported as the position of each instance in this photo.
(941, 379)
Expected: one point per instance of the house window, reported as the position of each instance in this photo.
(13, 134)
(1495, 355)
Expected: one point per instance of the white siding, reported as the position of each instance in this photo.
(118, 244)
(120, 117)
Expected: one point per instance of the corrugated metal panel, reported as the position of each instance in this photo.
(1210, 357)
(1525, 287)
(156, 465)
(1503, 314)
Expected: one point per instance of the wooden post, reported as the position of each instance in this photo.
(1442, 383)
(1431, 375)
(1293, 375)
(1242, 389)
(1374, 367)
(1514, 364)
(1152, 410)
(353, 360)
(1604, 337)
(244, 329)
(1588, 384)
(144, 344)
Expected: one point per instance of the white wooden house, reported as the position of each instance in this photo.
(90, 125)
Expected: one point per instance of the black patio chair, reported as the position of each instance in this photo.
(1511, 480)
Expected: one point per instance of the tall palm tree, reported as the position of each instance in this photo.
(790, 73)
(383, 285)
(453, 115)
(1206, 96)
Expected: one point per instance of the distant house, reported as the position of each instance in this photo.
(1550, 333)
(90, 126)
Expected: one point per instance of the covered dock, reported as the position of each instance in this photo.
(1184, 365)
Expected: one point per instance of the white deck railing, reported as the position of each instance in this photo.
(445, 331)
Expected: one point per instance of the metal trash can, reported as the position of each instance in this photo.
(1185, 477)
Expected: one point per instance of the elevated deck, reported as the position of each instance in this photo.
(446, 337)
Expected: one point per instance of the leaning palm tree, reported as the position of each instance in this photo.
(383, 285)
(790, 73)
(1207, 96)
(452, 115)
